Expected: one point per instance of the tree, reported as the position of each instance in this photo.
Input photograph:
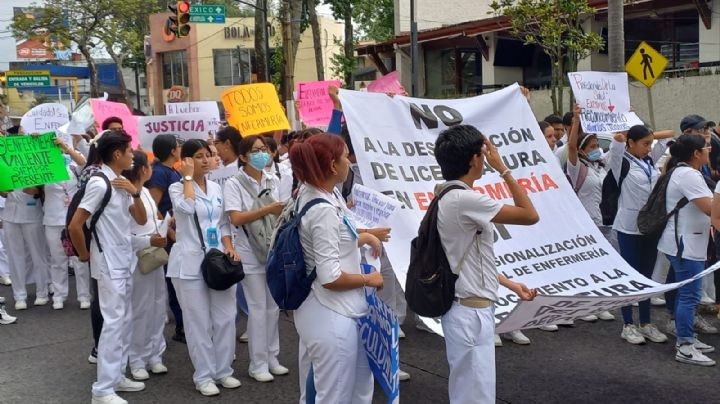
(344, 63)
(261, 57)
(554, 26)
(311, 6)
(375, 19)
(616, 35)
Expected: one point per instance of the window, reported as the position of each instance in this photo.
(233, 66)
(174, 69)
(453, 72)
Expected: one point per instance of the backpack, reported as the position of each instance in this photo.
(653, 217)
(259, 232)
(89, 231)
(287, 278)
(611, 193)
(430, 282)
(581, 176)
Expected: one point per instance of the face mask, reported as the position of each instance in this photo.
(259, 160)
(595, 155)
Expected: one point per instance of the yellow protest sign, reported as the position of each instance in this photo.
(646, 64)
(254, 108)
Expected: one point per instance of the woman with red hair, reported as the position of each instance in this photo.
(326, 321)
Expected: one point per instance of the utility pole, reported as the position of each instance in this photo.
(413, 51)
(289, 65)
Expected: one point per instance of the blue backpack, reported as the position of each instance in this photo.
(287, 278)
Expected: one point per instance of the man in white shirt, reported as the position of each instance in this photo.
(465, 219)
(112, 261)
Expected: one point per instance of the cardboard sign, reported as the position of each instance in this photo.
(604, 100)
(186, 126)
(105, 109)
(254, 109)
(27, 161)
(314, 102)
(388, 83)
(205, 107)
(45, 118)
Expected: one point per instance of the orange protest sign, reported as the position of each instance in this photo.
(254, 108)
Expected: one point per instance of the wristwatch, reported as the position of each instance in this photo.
(136, 195)
(188, 178)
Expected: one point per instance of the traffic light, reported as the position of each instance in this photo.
(181, 19)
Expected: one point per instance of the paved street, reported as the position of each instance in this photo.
(43, 360)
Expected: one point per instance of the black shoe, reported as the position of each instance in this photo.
(179, 337)
(93, 356)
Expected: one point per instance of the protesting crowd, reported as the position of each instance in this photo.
(209, 228)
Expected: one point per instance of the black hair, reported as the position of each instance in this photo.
(553, 119)
(163, 146)
(111, 142)
(638, 132)
(113, 119)
(192, 146)
(584, 138)
(246, 145)
(454, 149)
(231, 134)
(273, 146)
(93, 157)
(567, 119)
(715, 152)
(543, 125)
(683, 149)
(140, 160)
(345, 134)
(285, 139)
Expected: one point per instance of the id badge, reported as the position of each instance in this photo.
(351, 227)
(32, 203)
(213, 238)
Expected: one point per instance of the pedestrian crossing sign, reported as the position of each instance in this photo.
(646, 64)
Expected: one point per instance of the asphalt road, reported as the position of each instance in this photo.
(43, 359)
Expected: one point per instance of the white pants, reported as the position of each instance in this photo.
(392, 293)
(59, 268)
(4, 265)
(82, 279)
(149, 297)
(209, 318)
(332, 342)
(469, 344)
(21, 240)
(262, 325)
(113, 348)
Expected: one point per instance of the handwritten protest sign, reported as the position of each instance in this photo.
(314, 103)
(45, 118)
(605, 101)
(205, 107)
(371, 208)
(27, 161)
(105, 109)
(388, 83)
(254, 108)
(186, 126)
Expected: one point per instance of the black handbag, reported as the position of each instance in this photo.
(218, 270)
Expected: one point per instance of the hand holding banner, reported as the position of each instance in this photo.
(103, 110)
(605, 101)
(314, 103)
(254, 109)
(27, 161)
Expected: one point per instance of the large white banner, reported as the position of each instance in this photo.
(563, 255)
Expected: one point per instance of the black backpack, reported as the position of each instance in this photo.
(430, 282)
(89, 231)
(653, 217)
(611, 193)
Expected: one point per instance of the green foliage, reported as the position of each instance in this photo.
(340, 65)
(375, 19)
(277, 62)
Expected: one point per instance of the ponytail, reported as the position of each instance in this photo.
(683, 149)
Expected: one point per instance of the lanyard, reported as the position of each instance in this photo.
(210, 209)
(646, 167)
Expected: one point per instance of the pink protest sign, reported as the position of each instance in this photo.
(388, 83)
(314, 103)
(105, 109)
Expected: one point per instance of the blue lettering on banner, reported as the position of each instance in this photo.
(379, 332)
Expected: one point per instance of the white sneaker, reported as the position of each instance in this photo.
(20, 305)
(631, 334)
(92, 358)
(58, 305)
(518, 337)
(403, 376)
(498, 341)
(208, 389)
(243, 337)
(703, 326)
(41, 301)
(401, 333)
(670, 327)
(158, 368)
(230, 382)
(111, 399)
(589, 318)
(84, 304)
(687, 353)
(262, 377)
(139, 374)
(703, 347)
(649, 331)
(5, 280)
(5, 318)
(605, 316)
(549, 328)
(129, 385)
(657, 301)
(279, 370)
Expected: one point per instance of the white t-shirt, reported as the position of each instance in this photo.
(461, 215)
(284, 174)
(238, 199)
(330, 247)
(590, 193)
(113, 228)
(141, 233)
(693, 224)
(57, 200)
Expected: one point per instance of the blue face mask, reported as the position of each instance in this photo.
(595, 155)
(259, 160)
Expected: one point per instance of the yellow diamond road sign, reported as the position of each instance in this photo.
(646, 64)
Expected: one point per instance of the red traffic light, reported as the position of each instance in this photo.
(183, 7)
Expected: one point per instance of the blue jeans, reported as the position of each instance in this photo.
(640, 252)
(688, 296)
